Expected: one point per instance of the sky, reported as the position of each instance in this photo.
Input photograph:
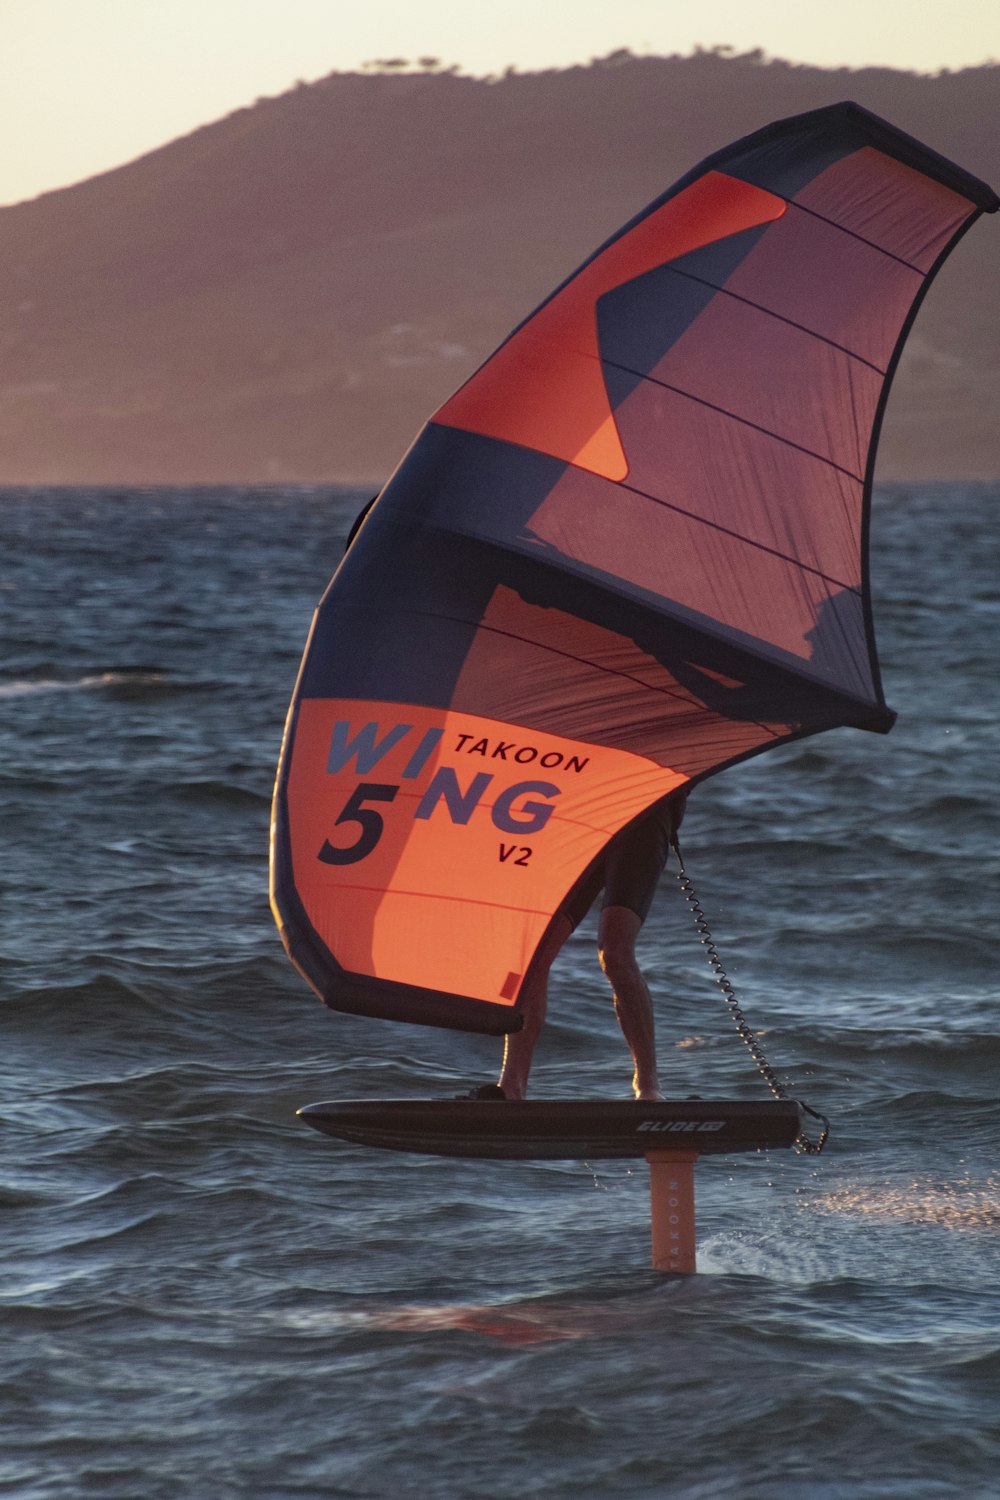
(86, 85)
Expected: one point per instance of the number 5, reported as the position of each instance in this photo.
(372, 823)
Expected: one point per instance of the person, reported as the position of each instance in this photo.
(629, 870)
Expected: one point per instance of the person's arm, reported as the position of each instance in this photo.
(359, 522)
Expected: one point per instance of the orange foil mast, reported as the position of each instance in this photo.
(630, 551)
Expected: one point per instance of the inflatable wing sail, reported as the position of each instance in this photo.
(629, 552)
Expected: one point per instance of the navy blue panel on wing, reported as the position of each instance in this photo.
(786, 164)
(460, 480)
(412, 585)
(398, 629)
(716, 262)
(639, 321)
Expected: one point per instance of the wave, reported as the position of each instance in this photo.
(128, 677)
(209, 790)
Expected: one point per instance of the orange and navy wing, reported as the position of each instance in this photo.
(629, 551)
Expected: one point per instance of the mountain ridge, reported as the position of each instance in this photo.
(285, 295)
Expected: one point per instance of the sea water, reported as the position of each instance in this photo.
(202, 1299)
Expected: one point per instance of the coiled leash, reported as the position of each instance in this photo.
(802, 1144)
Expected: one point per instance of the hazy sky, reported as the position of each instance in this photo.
(86, 85)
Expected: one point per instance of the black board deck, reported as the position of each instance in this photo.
(557, 1130)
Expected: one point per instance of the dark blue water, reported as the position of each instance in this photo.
(202, 1298)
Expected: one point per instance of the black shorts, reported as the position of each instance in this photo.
(629, 869)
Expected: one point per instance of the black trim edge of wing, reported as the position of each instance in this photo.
(876, 433)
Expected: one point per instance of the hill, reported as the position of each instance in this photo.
(285, 295)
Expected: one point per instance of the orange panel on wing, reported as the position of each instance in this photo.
(432, 847)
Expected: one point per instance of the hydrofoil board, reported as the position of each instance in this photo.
(557, 1130)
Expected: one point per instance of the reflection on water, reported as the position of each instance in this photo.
(958, 1204)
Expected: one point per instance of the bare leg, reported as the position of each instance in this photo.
(519, 1046)
(633, 1006)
